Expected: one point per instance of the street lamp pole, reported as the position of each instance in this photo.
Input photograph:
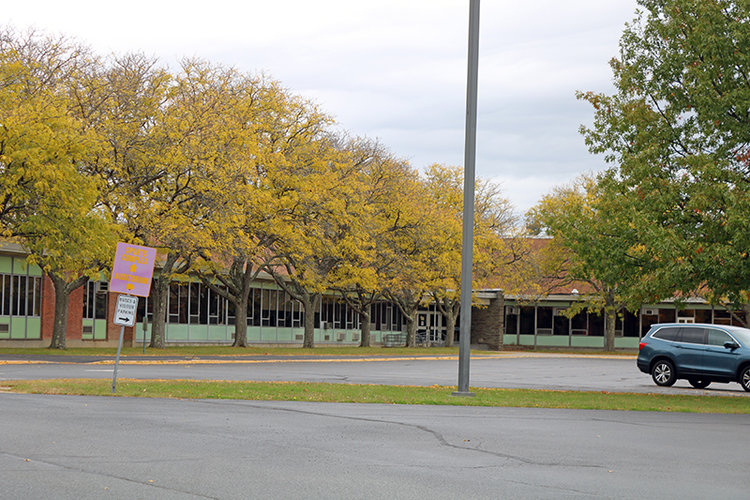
(467, 250)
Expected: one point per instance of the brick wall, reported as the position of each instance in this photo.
(487, 324)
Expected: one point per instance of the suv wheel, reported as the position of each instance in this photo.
(699, 383)
(663, 374)
(745, 378)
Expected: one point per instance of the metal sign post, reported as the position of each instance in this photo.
(117, 360)
(127, 305)
(131, 275)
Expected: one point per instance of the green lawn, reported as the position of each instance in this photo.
(346, 393)
(213, 350)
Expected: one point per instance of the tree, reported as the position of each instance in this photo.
(407, 250)
(324, 229)
(46, 200)
(256, 190)
(359, 276)
(123, 101)
(678, 131)
(590, 246)
(493, 223)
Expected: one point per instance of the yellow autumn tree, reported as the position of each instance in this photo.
(47, 202)
(360, 276)
(257, 189)
(494, 244)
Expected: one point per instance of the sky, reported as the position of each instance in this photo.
(392, 70)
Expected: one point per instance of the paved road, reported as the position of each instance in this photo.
(68, 447)
(535, 371)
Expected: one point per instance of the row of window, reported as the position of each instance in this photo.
(547, 320)
(20, 295)
(197, 304)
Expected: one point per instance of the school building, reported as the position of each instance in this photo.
(197, 315)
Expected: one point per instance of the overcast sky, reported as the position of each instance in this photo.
(393, 69)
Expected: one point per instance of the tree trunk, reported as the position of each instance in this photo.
(60, 322)
(411, 329)
(62, 298)
(609, 334)
(364, 327)
(309, 303)
(450, 327)
(160, 292)
(240, 321)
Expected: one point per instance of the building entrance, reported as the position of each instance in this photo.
(430, 327)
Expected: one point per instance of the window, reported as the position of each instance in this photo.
(718, 338)
(667, 334)
(20, 295)
(527, 321)
(544, 320)
(667, 316)
(579, 323)
(95, 299)
(693, 335)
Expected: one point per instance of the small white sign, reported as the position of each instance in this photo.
(127, 305)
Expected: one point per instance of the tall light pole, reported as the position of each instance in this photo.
(467, 250)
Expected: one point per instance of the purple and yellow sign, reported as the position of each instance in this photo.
(133, 269)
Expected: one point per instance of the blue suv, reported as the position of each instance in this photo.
(700, 353)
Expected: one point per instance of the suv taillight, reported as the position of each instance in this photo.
(641, 345)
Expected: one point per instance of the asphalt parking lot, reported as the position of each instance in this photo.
(72, 447)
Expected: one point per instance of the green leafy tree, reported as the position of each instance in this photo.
(590, 244)
(677, 130)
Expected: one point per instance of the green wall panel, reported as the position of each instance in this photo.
(176, 332)
(90, 324)
(268, 334)
(219, 332)
(5, 320)
(509, 339)
(552, 341)
(100, 329)
(19, 265)
(18, 327)
(253, 334)
(285, 335)
(35, 270)
(584, 341)
(34, 328)
(526, 340)
(627, 342)
(139, 334)
(6, 264)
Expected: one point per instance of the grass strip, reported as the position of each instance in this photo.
(351, 393)
(236, 351)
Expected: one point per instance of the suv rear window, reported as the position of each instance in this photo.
(667, 334)
(693, 335)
